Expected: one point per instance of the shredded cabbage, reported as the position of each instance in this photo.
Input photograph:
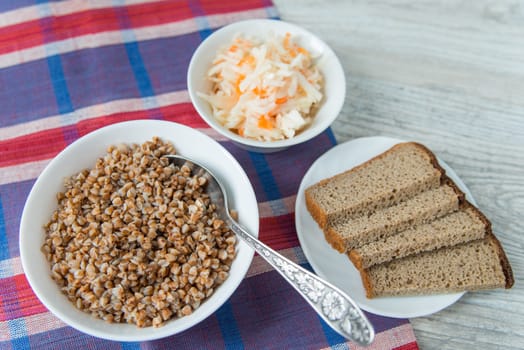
(264, 90)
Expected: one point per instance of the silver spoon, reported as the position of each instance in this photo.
(334, 306)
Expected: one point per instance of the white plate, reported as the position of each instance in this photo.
(82, 154)
(336, 267)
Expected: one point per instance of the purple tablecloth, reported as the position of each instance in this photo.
(70, 67)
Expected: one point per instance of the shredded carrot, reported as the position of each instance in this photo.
(286, 40)
(241, 131)
(281, 100)
(290, 49)
(233, 48)
(265, 123)
(250, 59)
(259, 92)
(303, 51)
(237, 83)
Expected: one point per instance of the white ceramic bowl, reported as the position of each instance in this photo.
(327, 62)
(82, 154)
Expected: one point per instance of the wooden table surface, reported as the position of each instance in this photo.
(449, 74)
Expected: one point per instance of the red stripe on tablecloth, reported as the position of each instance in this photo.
(279, 231)
(18, 299)
(37, 146)
(29, 34)
(213, 6)
(408, 346)
(50, 142)
(20, 36)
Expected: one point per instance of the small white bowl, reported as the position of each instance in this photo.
(83, 154)
(334, 89)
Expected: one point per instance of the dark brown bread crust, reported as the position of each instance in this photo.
(321, 217)
(433, 159)
(504, 262)
(366, 281)
(467, 205)
(447, 181)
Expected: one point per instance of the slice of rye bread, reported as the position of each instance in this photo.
(462, 226)
(475, 265)
(401, 172)
(345, 233)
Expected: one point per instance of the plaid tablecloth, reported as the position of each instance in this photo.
(70, 67)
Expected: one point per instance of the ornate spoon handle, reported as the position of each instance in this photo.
(333, 305)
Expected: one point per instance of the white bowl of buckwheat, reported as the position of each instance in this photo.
(122, 245)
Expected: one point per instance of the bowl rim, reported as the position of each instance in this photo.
(303, 136)
(174, 326)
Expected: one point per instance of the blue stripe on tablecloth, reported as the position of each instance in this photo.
(202, 23)
(54, 63)
(332, 337)
(12, 197)
(139, 70)
(331, 136)
(4, 246)
(63, 100)
(135, 58)
(56, 70)
(200, 18)
(18, 333)
(133, 52)
(266, 176)
(142, 79)
(130, 346)
(228, 327)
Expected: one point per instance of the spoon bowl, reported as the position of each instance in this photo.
(336, 308)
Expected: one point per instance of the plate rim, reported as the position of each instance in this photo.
(300, 208)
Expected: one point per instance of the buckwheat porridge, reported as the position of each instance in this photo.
(136, 239)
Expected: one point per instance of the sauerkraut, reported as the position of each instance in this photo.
(264, 89)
